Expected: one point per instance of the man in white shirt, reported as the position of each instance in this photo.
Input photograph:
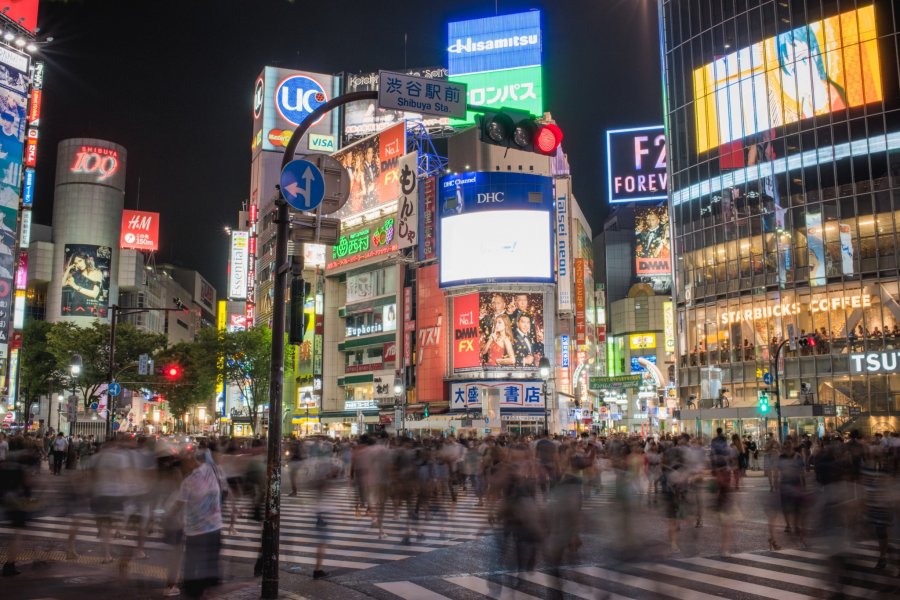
(201, 495)
(60, 447)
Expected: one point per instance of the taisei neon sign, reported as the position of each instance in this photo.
(91, 160)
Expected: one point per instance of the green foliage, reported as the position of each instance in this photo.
(39, 373)
(247, 364)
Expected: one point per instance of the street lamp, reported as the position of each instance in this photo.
(544, 369)
(401, 401)
(75, 366)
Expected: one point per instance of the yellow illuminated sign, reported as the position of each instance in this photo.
(642, 341)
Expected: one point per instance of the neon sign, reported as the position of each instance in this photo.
(360, 241)
(90, 160)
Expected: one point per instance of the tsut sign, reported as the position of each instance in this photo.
(636, 164)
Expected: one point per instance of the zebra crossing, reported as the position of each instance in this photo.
(788, 574)
(353, 542)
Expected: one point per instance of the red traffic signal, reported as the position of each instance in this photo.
(807, 341)
(518, 129)
(548, 138)
(172, 372)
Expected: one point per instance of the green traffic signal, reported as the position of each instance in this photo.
(763, 401)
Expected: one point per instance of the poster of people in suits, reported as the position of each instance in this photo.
(85, 281)
(511, 328)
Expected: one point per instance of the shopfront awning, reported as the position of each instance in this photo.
(438, 422)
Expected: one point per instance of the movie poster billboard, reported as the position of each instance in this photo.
(364, 117)
(815, 242)
(509, 334)
(374, 167)
(85, 287)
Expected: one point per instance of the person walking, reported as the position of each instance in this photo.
(60, 448)
(201, 497)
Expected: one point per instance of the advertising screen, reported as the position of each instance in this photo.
(140, 230)
(499, 59)
(508, 333)
(23, 13)
(373, 164)
(13, 90)
(7, 268)
(815, 69)
(238, 264)
(636, 164)
(511, 245)
(85, 280)
(651, 249)
(282, 98)
(363, 118)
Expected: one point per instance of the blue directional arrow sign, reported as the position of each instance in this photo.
(302, 184)
(767, 378)
(114, 389)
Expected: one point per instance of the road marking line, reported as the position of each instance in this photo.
(569, 587)
(489, 588)
(724, 582)
(650, 585)
(409, 591)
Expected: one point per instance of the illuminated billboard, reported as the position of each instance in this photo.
(364, 117)
(636, 164)
(431, 348)
(498, 330)
(815, 69)
(282, 99)
(238, 265)
(496, 227)
(364, 242)
(373, 164)
(499, 59)
(23, 13)
(98, 161)
(140, 230)
(652, 245)
(85, 281)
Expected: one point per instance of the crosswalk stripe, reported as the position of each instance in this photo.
(488, 588)
(286, 548)
(813, 568)
(724, 582)
(649, 585)
(410, 591)
(771, 575)
(569, 587)
(301, 560)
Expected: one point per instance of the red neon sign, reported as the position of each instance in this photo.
(34, 111)
(30, 152)
(102, 162)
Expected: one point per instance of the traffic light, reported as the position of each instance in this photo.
(426, 410)
(807, 341)
(518, 129)
(298, 316)
(762, 397)
(172, 372)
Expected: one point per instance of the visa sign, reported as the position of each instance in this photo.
(298, 96)
(321, 143)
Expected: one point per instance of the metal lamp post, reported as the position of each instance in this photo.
(399, 390)
(544, 368)
(75, 366)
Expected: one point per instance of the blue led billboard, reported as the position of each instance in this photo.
(494, 43)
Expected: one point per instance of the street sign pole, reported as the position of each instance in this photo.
(272, 522)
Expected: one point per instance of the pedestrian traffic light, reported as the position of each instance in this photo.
(518, 129)
(763, 401)
(807, 341)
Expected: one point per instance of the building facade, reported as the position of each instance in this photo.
(784, 130)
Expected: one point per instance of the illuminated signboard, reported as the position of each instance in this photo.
(651, 251)
(28, 188)
(642, 341)
(19, 310)
(23, 13)
(375, 165)
(364, 244)
(875, 362)
(669, 325)
(515, 394)
(31, 152)
(140, 230)
(636, 164)
(788, 307)
(825, 66)
(509, 214)
(637, 367)
(25, 237)
(22, 272)
(499, 59)
(99, 163)
(282, 98)
(238, 265)
(564, 351)
(34, 110)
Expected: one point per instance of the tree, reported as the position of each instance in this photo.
(198, 363)
(65, 339)
(247, 365)
(39, 373)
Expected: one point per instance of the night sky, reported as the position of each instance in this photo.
(172, 81)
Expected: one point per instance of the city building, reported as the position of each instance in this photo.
(784, 128)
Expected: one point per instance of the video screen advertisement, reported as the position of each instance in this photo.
(498, 330)
(495, 227)
(499, 59)
(85, 281)
(374, 167)
(364, 117)
(812, 70)
(636, 165)
(282, 99)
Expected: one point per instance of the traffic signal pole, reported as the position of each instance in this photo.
(778, 390)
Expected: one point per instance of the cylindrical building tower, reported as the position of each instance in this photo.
(784, 157)
(87, 214)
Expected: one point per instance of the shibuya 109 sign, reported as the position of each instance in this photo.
(102, 163)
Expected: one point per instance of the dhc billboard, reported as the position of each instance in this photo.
(494, 43)
(479, 191)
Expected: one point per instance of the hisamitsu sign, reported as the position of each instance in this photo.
(399, 91)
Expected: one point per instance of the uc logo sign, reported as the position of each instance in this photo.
(297, 96)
